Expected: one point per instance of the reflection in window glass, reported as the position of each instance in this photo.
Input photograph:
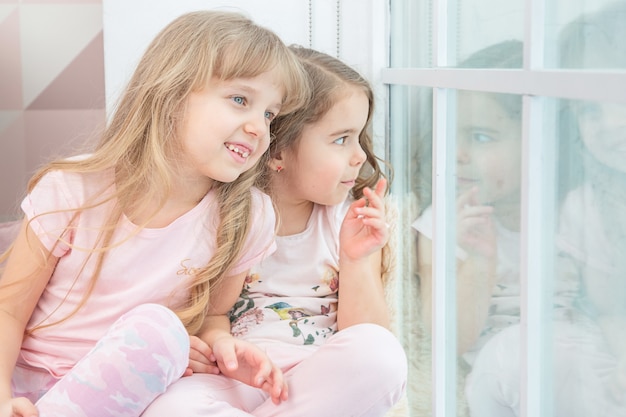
(480, 23)
(592, 242)
(488, 143)
(585, 35)
(410, 26)
(583, 337)
(410, 145)
(591, 236)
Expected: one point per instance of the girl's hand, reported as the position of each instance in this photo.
(364, 229)
(475, 229)
(247, 363)
(201, 358)
(18, 407)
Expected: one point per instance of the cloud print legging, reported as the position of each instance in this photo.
(140, 356)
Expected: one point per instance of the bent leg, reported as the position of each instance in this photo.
(202, 395)
(143, 352)
(360, 371)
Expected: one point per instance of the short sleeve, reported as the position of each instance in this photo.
(50, 208)
(261, 239)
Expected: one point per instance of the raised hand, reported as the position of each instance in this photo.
(247, 363)
(475, 229)
(364, 229)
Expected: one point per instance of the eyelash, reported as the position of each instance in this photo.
(476, 136)
(240, 100)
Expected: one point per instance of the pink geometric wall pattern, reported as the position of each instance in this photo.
(51, 86)
(52, 36)
(80, 85)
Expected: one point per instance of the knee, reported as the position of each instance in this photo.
(159, 333)
(377, 350)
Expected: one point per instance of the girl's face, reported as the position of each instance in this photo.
(324, 167)
(603, 131)
(227, 126)
(488, 149)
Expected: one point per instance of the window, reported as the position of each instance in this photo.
(510, 119)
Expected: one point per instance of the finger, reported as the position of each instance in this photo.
(268, 388)
(24, 407)
(466, 198)
(373, 198)
(200, 346)
(203, 368)
(279, 382)
(381, 187)
(264, 373)
(227, 358)
(200, 357)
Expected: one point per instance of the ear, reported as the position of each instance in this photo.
(276, 161)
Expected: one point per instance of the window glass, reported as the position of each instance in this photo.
(488, 201)
(410, 146)
(585, 34)
(477, 24)
(563, 309)
(410, 30)
(591, 241)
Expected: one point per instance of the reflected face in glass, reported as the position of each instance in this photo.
(603, 131)
(488, 149)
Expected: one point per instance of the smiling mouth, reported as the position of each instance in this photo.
(241, 151)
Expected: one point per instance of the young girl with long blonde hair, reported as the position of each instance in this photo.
(163, 210)
(316, 307)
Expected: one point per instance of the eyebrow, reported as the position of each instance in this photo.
(484, 128)
(250, 90)
(343, 131)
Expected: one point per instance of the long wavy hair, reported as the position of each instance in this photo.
(141, 146)
(329, 80)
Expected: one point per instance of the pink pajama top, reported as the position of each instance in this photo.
(149, 266)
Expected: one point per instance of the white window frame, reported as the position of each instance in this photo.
(532, 82)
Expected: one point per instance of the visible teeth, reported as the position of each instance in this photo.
(241, 152)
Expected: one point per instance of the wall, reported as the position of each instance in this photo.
(51, 86)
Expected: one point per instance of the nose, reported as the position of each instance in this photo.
(462, 151)
(359, 156)
(257, 126)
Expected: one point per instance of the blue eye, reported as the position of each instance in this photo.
(482, 138)
(239, 100)
(269, 115)
(341, 140)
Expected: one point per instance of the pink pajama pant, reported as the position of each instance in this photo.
(142, 353)
(360, 371)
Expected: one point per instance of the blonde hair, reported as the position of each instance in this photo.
(329, 79)
(140, 143)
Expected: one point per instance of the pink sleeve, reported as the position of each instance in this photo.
(46, 206)
(260, 242)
